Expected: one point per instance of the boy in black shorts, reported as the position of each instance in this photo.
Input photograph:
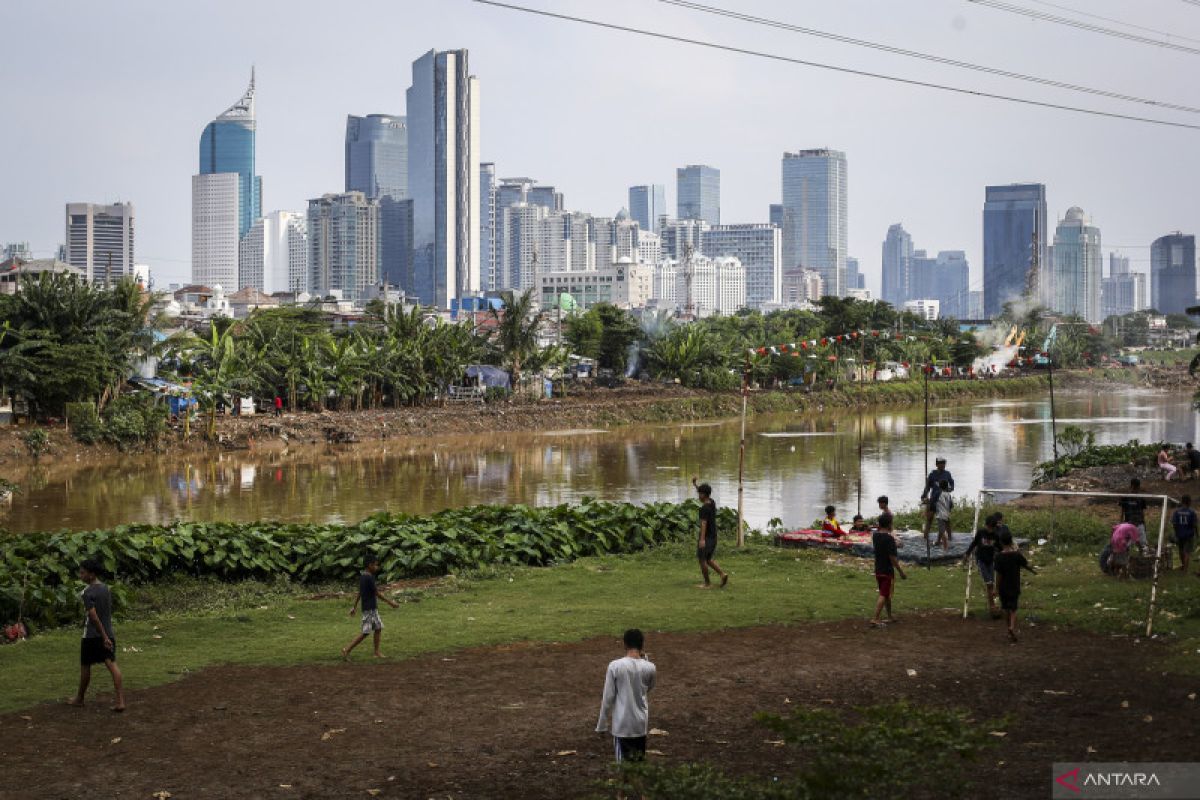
(1184, 523)
(1009, 563)
(984, 546)
(706, 544)
(369, 595)
(99, 645)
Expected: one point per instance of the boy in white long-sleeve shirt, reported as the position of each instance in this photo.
(624, 709)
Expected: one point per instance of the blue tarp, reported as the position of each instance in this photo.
(489, 376)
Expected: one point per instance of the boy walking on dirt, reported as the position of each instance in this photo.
(1184, 523)
(706, 544)
(369, 595)
(624, 707)
(984, 546)
(887, 564)
(1009, 563)
(99, 645)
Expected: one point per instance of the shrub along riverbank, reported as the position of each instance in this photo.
(37, 571)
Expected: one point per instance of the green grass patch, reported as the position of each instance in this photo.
(274, 623)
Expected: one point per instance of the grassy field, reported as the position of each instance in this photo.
(177, 628)
(1168, 357)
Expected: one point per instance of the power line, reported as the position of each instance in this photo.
(1080, 13)
(834, 68)
(1086, 26)
(723, 12)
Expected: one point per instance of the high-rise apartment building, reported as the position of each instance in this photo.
(1077, 267)
(377, 155)
(487, 227)
(443, 177)
(703, 288)
(274, 254)
(759, 249)
(855, 279)
(100, 240)
(1173, 273)
(19, 250)
(897, 266)
(678, 235)
(698, 193)
(1123, 293)
(1117, 265)
(1014, 243)
(944, 278)
(225, 185)
(343, 245)
(815, 196)
(648, 204)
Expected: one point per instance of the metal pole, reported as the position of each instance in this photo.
(741, 531)
(1162, 525)
(1053, 415)
(974, 528)
(928, 510)
(861, 379)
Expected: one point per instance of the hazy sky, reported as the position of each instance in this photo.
(106, 101)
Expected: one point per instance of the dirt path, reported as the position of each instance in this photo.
(490, 723)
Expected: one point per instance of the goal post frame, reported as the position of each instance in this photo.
(1162, 527)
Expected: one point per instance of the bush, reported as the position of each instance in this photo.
(1096, 456)
(84, 422)
(129, 421)
(36, 441)
(42, 566)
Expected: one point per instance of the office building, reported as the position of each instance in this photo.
(924, 308)
(680, 236)
(1123, 293)
(509, 192)
(1076, 267)
(443, 177)
(100, 240)
(975, 304)
(703, 287)
(487, 227)
(897, 266)
(1173, 273)
(801, 286)
(343, 245)
(759, 248)
(945, 278)
(648, 204)
(274, 254)
(225, 187)
(855, 279)
(815, 196)
(623, 284)
(377, 165)
(1117, 265)
(698, 193)
(1014, 243)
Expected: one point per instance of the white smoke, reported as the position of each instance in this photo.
(996, 360)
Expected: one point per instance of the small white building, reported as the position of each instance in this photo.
(623, 284)
(924, 308)
(710, 286)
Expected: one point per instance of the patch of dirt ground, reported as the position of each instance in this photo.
(517, 721)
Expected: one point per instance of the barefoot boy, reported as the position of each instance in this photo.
(1009, 563)
(706, 544)
(99, 645)
(369, 595)
(1184, 523)
(886, 566)
(984, 546)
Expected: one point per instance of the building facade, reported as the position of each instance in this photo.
(815, 196)
(802, 286)
(487, 227)
(274, 254)
(759, 248)
(1076, 268)
(897, 266)
(647, 205)
(698, 193)
(377, 155)
(924, 308)
(945, 278)
(855, 279)
(1014, 243)
(443, 177)
(623, 284)
(343, 245)
(704, 287)
(1173, 273)
(1123, 293)
(100, 240)
(215, 222)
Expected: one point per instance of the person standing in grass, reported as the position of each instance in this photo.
(706, 544)
(1184, 523)
(624, 706)
(369, 595)
(1133, 509)
(933, 487)
(887, 565)
(1009, 563)
(99, 645)
(942, 508)
(984, 546)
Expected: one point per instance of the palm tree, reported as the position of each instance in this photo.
(515, 339)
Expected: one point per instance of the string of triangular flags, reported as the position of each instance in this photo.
(794, 348)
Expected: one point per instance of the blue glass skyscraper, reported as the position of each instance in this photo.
(698, 193)
(647, 204)
(1014, 243)
(227, 146)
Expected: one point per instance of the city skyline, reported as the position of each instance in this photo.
(302, 124)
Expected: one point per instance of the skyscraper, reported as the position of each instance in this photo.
(343, 245)
(854, 276)
(814, 193)
(897, 266)
(487, 227)
(100, 240)
(377, 166)
(647, 204)
(1077, 267)
(759, 249)
(1014, 241)
(443, 177)
(698, 193)
(1173, 273)
(225, 185)
(274, 254)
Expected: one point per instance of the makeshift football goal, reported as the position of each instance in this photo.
(986, 495)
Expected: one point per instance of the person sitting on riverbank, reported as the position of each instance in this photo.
(859, 525)
(1164, 463)
(830, 524)
(1133, 509)
(1123, 536)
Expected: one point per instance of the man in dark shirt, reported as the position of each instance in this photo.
(887, 564)
(1133, 509)
(1009, 563)
(706, 544)
(1192, 459)
(984, 546)
(933, 487)
(1184, 522)
(368, 595)
(99, 645)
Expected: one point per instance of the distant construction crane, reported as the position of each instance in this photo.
(689, 305)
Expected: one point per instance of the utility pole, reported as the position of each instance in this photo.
(689, 308)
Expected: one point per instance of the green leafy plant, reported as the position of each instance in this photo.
(36, 441)
(1093, 455)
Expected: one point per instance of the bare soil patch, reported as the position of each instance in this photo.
(517, 721)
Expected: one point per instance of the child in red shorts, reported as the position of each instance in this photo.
(887, 564)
